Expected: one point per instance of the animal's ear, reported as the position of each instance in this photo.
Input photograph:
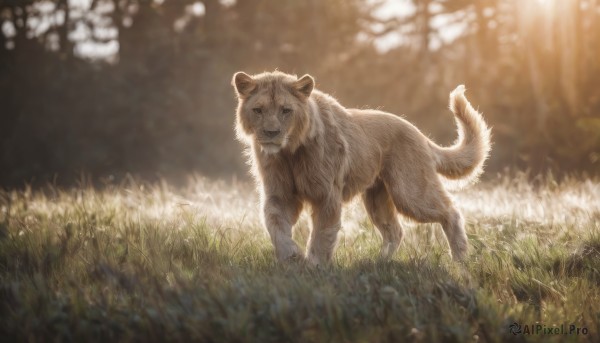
(304, 85)
(243, 84)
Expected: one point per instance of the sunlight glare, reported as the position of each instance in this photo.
(234, 206)
(546, 5)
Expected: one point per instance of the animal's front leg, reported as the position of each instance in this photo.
(280, 215)
(326, 222)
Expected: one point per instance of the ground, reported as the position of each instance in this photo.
(135, 262)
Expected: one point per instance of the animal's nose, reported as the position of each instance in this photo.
(271, 133)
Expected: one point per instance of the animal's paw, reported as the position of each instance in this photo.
(317, 262)
(289, 253)
(295, 258)
(459, 255)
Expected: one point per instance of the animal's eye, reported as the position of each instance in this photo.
(257, 110)
(286, 110)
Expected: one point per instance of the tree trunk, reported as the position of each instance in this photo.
(66, 46)
(569, 35)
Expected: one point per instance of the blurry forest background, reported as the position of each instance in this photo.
(110, 87)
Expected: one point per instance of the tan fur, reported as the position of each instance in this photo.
(320, 154)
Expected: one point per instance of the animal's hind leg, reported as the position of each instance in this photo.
(425, 200)
(381, 210)
(454, 228)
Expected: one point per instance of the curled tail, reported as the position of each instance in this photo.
(465, 158)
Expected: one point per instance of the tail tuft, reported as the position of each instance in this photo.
(465, 158)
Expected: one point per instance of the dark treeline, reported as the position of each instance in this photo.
(160, 103)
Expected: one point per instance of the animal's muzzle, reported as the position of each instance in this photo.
(271, 133)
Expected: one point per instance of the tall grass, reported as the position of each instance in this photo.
(153, 263)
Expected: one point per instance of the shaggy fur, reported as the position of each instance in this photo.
(308, 150)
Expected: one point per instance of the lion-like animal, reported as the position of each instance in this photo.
(308, 150)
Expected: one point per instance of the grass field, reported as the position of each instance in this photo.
(154, 263)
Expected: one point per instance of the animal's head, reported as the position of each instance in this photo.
(273, 109)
